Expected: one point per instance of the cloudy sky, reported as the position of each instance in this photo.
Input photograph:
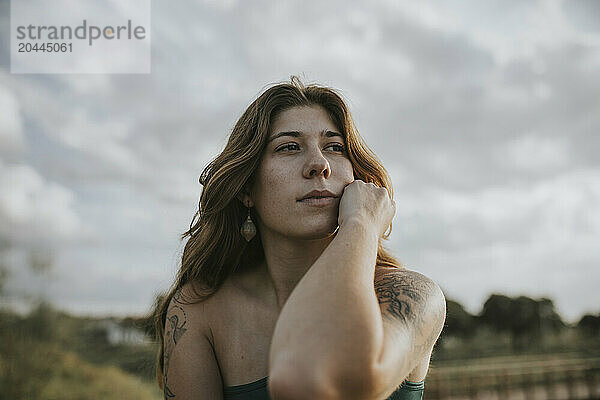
(486, 114)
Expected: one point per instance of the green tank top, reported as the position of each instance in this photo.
(257, 390)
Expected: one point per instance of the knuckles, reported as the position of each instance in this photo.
(380, 192)
(376, 200)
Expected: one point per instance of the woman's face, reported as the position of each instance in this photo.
(305, 152)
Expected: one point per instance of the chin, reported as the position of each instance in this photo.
(320, 232)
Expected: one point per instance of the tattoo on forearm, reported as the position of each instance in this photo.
(176, 320)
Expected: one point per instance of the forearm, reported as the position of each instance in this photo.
(331, 324)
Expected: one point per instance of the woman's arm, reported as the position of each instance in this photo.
(344, 334)
(330, 328)
(413, 308)
(190, 367)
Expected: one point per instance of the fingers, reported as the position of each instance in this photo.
(379, 189)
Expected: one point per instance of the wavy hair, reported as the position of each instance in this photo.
(215, 248)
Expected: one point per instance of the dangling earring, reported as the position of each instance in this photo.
(248, 229)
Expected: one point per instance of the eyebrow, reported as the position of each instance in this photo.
(324, 132)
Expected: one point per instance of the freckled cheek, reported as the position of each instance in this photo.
(345, 171)
(277, 196)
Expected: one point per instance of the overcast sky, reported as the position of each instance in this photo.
(486, 114)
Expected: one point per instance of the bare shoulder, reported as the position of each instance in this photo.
(185, 318)
(409, 296)
(190, 367)
(187, 312)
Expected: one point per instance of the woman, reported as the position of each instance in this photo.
(285, 289)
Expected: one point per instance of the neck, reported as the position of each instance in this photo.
(288, 259)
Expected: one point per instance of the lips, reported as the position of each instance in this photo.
(317, 194)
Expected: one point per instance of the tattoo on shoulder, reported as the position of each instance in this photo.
(177, 296)
(402, 295)
(175, 328)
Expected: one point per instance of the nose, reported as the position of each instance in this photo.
(317, 165)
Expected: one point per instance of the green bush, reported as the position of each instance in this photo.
(38, 361)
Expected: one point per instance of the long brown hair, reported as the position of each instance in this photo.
(215, 248)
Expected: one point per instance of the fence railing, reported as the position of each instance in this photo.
(515, 378)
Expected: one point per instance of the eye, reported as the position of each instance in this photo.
(340, 147)
(287, 146)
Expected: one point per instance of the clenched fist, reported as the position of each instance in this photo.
(367, 203)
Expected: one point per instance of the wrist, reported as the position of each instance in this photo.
(360, 226)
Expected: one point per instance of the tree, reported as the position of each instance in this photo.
(589, 325)
(3, 277)
(42, 323)
(497, 312)
(4, 272)
(458, 321)
(527, 320)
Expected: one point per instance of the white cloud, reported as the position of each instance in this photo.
(487, 124)
(538, 238)
(102, 138)
(36, 212)
(12, 138)
(535, 152)
(555, 209)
